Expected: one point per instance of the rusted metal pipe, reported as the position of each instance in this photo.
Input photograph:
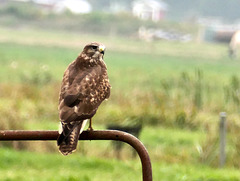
(13, 135)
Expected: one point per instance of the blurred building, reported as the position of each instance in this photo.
(217, 33)
(150, 9)
(74, 6)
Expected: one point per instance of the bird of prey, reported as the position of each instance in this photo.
(84, 86)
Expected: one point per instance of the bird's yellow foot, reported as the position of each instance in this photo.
(90, 126)
(90, 129)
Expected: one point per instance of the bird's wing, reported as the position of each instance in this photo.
(81, 93)
(69, 92)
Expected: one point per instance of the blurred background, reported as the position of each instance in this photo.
(171, 75)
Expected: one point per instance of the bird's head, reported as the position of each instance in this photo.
(94, 50)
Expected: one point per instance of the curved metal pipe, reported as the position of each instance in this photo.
(13, 135)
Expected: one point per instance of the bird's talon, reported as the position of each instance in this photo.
(90, 129)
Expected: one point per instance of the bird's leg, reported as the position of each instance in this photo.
(90, 125)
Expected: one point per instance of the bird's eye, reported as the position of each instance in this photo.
(94, 47)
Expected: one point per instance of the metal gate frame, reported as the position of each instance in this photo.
(22, 135)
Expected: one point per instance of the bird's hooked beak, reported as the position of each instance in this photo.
(102, 49)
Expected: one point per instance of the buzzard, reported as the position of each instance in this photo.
(84, 86)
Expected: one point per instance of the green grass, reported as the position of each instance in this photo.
(34, 166)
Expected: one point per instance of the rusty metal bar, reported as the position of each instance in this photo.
(13, 135)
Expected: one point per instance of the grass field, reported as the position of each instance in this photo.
(28, 166)
(175, 89)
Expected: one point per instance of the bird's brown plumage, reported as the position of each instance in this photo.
(84, 86)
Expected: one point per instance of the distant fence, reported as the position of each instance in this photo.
(19, 135)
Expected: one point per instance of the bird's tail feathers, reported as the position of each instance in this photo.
(68, 139)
